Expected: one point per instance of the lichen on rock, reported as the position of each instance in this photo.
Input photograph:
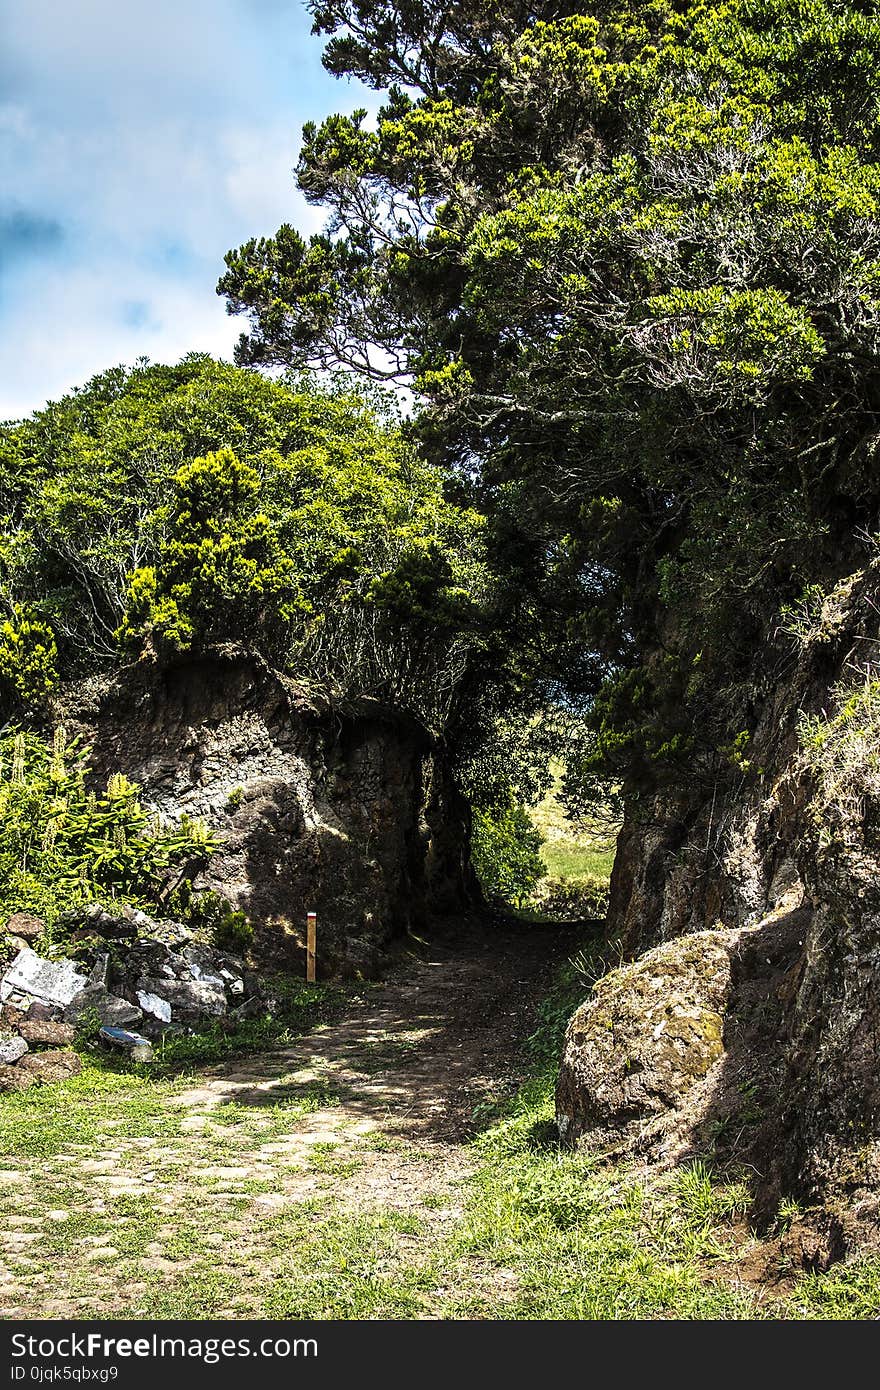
(649, 1033)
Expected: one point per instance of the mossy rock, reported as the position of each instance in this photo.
(647, 1035)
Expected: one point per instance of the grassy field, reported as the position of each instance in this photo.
(573, 852)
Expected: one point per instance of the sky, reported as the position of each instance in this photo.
(139, 141)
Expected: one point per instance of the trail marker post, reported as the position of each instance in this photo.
(311, 941)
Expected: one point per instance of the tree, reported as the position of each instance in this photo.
(175, 507)
(628, 257)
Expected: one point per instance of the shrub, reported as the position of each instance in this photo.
(505, 853)
(213, 916)
(842, 752)
(61, 842)
(28, 657)
(233, 933)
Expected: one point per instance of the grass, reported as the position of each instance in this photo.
(301, 1007)
(571, 861)
(226, 1221)
(577, 856)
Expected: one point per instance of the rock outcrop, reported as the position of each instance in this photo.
(747, 1028)
(349, 812)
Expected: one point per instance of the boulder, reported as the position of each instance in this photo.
(136, 1047)
(38, 1032)
(110, 1009)
(11, 1048)
(35, 1009)
(49, 982)
(254, 1007)
(25, 925)
(51, 1066)
(188, 999)
(154, 1005)
(16, 1078)
(94, 920)
(640, 1052)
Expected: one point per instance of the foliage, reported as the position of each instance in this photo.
(169, 508)
(505, 852)
(842, 752)
(628, 258)
(28, 657)
(211, 915)
(61, 842)
(220, 566)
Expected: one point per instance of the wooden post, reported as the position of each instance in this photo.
(311, 939)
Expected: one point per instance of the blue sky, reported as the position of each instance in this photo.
(139, 140)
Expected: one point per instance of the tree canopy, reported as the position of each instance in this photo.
(168, 508)
(628, 257)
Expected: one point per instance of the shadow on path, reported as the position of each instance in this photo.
(423, 1050)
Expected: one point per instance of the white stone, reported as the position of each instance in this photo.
(11, 1048)
(51, 982)
(152, 1004)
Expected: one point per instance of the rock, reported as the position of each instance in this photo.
(142, 978)
(152, 1004)
(354, 813)
(138, 1048)
(51, 1066)
(49, 982)
(25, 925)
(94, 919)
(189, 999)
(202, 961)
(111, 1010)
(36, 1010)
(16, 1078)
(359, 960)
(11, 1048)
(251, 1008)
(39, 1032)
(639, 1050)
(99, 975)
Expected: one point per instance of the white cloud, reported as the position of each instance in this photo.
(94, 327)
(155, 136)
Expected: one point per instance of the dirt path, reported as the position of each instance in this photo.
(284, 1183)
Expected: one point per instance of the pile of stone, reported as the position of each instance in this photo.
(134, 978)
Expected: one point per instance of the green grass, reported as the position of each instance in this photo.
(301, 1007)
(537, 1232)
(570, 861)
(577, 856)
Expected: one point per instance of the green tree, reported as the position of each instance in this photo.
(174, 507)
(220, 568)
(628, 258)
(505, 852)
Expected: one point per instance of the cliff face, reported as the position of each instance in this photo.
(350, 813)
(753, 905)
